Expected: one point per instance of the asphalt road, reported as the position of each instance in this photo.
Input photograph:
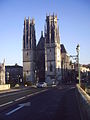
(53, 104)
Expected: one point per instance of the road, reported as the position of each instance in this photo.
(57, 103)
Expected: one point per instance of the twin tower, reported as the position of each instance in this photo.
(51, 52)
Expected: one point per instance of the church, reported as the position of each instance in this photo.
(42, 62)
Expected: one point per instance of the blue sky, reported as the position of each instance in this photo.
(74, 25)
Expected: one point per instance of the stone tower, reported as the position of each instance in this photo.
(29, 50)
(52, 51)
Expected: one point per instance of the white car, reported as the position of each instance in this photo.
(41, 84)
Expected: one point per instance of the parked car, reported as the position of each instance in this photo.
(41, 84)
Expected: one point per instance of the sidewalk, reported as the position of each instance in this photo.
(9, 90)
(16, 89)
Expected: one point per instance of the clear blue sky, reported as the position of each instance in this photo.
(74, 24)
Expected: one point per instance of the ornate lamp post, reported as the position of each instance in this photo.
(78, 50)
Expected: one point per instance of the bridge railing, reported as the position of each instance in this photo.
(83, 102)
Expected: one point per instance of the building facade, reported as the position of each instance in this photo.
(40, 59)
(43, 62)
(14, 74)
(2, 73)
(29, 50)
(52, 50)
(66, 65)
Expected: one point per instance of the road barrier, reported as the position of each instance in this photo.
(84, 103)
(4, 87)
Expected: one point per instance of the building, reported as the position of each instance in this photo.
(2, 73)
(84, 69)
(14, 74)
(85, 73)
(29, 50)
(40, 59)
(52, 50)
(42, 62)
(65, 58)
(48, 61)
(68, 72)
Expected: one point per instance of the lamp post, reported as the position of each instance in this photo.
(18, 79)
(35, 76)
(7, 77)
(78, 50)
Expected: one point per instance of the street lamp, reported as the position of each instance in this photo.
(18, 79)
(78, 50)
(7, 77)
(35, 76)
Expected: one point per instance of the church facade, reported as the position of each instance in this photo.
(42, 62)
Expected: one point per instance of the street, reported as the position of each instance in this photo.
(58, 103)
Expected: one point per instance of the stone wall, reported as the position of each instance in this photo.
(83, 100)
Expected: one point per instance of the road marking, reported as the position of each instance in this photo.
(72, 87)
(36, 93)
(14, 110)
(13, 93)
(6, 104)
(20, 98)
(25, 104)
(32, 94)
(20, 106)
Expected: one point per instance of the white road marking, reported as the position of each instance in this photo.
(25, 104)
(72, 87)
(20, 106)
(22, 98)
(6, 104)
(36, 93)
(14, 110)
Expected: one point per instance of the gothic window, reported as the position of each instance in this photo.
(24, 41)
(27, 39)
(52, 35)
(30, 43)
(51, 68)
(27, 53)
(24, 44)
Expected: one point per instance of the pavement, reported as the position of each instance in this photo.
(58, 103)
(13, 89)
